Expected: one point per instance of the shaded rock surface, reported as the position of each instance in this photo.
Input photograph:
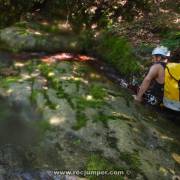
(67, 116)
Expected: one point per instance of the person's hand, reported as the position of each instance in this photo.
(138, 99)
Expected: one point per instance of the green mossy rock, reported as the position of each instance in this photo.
(19, 39)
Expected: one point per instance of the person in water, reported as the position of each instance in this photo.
(152, 87)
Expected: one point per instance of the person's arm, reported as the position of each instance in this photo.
(152, 74)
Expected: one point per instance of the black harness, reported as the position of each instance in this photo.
(154, 95)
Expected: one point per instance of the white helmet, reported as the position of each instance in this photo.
(161, 50)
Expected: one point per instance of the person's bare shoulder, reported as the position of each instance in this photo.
(154, 69)
(156, 66)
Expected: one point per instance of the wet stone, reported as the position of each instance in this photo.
(38, 116)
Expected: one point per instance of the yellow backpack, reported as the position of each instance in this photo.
(171, 97)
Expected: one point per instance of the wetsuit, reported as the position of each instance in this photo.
(154, 95)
